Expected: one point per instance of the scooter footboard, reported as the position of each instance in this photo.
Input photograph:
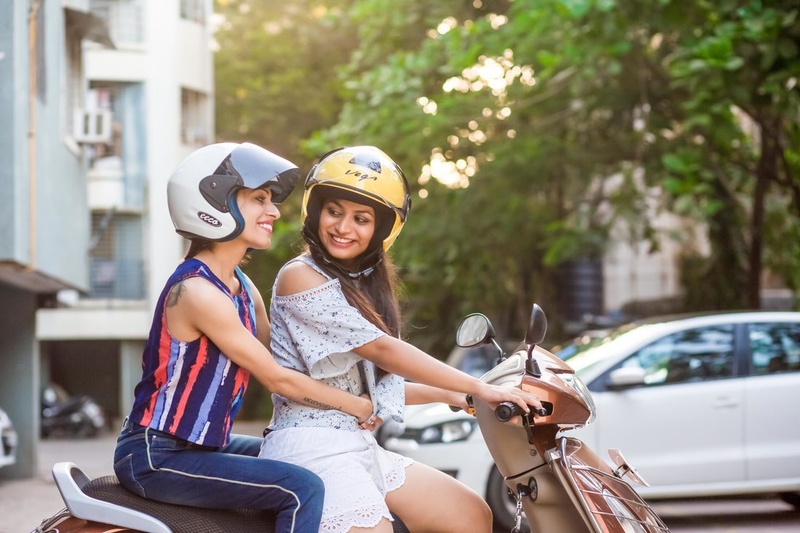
(609, 503)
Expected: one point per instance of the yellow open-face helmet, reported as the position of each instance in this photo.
(362, 174)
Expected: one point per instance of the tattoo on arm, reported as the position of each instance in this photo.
(321, 405)
(175, 294)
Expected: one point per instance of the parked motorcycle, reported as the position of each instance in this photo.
(561, 485)
(64, 415)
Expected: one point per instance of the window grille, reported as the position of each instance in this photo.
(194, 118)
(116, 262)
(194, 10)
(125, 19)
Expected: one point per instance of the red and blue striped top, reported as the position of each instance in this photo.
(191, 389)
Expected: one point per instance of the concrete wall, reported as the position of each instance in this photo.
(14, 237)
(19, 376)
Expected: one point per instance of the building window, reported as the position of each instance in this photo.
(124, 18)
(194, 10)
(194, 118)
(117, 266)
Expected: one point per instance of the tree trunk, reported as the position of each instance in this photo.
(765, 173)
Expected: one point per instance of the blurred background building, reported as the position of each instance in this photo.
(100, 100)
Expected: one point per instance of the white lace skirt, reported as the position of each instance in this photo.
(357, 472)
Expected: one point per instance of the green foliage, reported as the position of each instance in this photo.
(275, 70)
(574, 117)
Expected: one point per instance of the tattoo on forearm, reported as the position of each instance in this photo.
(175, 294)
(321, 405)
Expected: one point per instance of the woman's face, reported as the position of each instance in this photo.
(259, 216)
(346, 228)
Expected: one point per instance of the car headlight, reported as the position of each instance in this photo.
(452, 431)
(583, 391)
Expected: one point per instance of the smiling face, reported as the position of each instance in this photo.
(259, 214)
(346, 228)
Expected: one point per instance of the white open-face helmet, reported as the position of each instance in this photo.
(201, 192)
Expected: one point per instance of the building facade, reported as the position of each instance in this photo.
(104, 98)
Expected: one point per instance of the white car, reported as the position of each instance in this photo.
(701, 406)
(8, 441)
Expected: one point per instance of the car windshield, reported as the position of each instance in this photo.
(583, 354)
(577, 345)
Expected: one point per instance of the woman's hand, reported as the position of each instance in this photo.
(365, 409)
(371, 424)
(493, 394)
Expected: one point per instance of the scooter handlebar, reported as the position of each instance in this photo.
(505, 411)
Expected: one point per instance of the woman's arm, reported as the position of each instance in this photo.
(399, 357)
(403, 359)
(419, 393)
(208, 311)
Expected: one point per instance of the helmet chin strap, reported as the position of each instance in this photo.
(371, 257)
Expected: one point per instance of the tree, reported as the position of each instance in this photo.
(529, 128)
(536, 103)
(739, 69)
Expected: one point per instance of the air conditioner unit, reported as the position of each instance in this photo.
(92, 126)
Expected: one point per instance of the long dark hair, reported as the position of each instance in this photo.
(373, 295)
(197, 245)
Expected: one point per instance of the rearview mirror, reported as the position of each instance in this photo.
(473, 330)
(537, 327)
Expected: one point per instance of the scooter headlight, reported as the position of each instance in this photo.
(583, 391)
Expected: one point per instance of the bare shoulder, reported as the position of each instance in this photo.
(195, 292)
(195, 306)
(298, 277)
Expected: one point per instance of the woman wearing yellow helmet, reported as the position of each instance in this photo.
(335, 316)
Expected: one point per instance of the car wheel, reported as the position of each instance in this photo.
(502, 503)
(792, 498)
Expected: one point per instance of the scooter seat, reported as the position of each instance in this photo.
(181, 518)
(185, 519)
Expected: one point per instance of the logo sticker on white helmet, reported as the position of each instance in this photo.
(208, 219)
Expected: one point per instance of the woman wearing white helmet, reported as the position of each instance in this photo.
(335, 316)
(210, 332)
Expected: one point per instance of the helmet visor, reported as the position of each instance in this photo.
(257, 168)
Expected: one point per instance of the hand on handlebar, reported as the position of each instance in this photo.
(508, 412)
(493, 395)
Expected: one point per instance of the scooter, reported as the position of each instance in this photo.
(560, 484)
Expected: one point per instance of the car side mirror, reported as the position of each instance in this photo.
(626, 377)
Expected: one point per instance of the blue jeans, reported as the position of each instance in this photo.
(162, 467)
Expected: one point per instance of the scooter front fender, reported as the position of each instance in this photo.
(607, 503)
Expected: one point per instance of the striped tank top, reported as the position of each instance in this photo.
(190, 389)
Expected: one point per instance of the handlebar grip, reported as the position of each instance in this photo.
(505, 411)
